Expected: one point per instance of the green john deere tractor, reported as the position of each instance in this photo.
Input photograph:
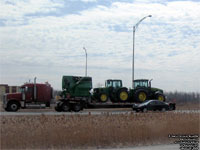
(143, 91)
(113, 90)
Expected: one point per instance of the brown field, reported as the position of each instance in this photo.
(94, 131)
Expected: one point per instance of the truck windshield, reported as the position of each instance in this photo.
(22, 89)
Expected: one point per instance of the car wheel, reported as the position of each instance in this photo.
(163, 109)
(144, 110)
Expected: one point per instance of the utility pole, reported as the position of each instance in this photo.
(85, 61)
(134, 29)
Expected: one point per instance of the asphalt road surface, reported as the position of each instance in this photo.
(84, 112)
(155, 147)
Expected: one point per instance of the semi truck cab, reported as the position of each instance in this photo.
(31, 95)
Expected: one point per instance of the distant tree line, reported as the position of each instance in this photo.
(182, 97)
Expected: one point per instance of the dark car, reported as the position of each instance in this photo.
(153, 105)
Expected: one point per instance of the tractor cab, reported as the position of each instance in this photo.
(113, 83)
(144, 83)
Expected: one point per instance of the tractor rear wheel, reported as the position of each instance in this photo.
(141, 95)
(123, 95)
(103, 97)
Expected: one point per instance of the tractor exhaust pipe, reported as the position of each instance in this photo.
(35, 92)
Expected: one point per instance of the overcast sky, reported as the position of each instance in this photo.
(45, 38)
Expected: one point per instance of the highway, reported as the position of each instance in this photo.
(85, 112)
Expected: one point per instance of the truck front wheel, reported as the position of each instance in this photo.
(13, 106)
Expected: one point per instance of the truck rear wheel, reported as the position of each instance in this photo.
(13, 106)
(123, 95)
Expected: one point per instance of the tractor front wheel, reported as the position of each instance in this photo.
(123, 95)
(141, 95)
(103, 97)
(160, 97)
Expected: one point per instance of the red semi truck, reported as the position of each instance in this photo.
(31, 95)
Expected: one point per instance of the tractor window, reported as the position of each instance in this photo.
(142, 83)
(117, 84)
(108, 83)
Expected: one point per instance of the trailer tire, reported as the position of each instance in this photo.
(58, 109)
(65, 107)
(13, 106)
(77, 107)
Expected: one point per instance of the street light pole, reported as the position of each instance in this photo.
(134, 29)
(85, 61)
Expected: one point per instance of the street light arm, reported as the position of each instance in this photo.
(136, 25)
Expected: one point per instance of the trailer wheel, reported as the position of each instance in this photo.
(77, 107)
(13, 106)
(58, 109)
(65, 107)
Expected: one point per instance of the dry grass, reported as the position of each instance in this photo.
(188, 106)
(75, 131)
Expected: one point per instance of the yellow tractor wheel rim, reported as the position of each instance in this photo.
(123, 96)
(160, 98)
(103, 97)
(142, 96)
